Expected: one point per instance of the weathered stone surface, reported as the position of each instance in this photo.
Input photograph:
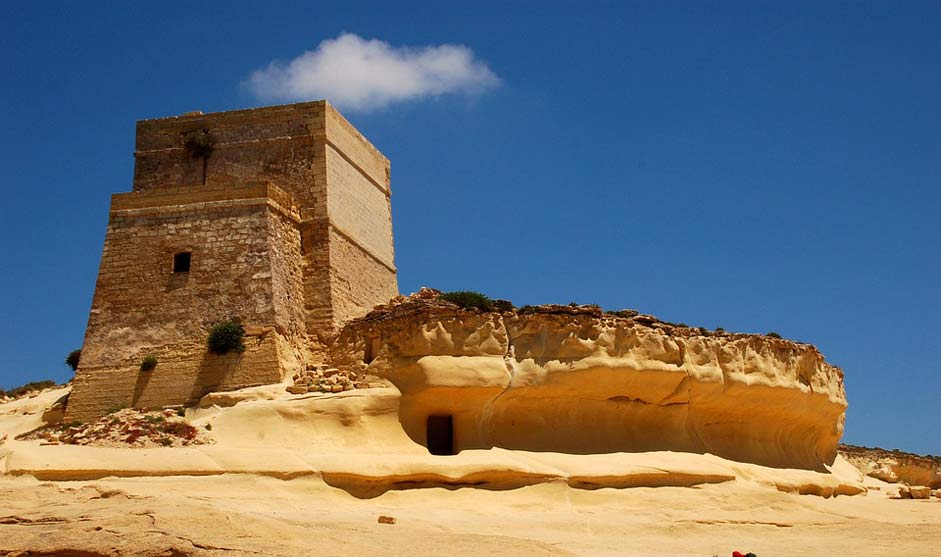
(919, 491)
(583, 382)
(894, 466)
(905, 492)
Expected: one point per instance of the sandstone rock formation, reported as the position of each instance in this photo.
(572, 379)
(895, 466)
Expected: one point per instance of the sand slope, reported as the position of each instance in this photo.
(258, 515)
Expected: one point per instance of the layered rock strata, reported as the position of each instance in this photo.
(576, 380)
(895, 466)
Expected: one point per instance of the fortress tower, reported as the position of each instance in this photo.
(278, 217)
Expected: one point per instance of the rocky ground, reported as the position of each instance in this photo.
(323, 379)
(130, 428)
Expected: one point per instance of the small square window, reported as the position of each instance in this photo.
(181, 262)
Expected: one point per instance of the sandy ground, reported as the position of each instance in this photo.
(213, 504)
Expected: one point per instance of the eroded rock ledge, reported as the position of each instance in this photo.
(895, 465)
(573, 379)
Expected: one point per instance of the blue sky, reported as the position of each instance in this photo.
(755, 166)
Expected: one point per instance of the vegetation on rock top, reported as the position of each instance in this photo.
(468, 299)
(28, 388)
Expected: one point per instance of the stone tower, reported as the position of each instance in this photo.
(278, 217)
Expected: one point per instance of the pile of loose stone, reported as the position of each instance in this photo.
(320, 379)
(128, 427)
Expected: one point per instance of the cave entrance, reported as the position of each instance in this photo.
(440, 435)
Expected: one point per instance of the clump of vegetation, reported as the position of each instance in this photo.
(468, 299)
(773, 334)
(34, 386)
(526, 309)
(503, 305)
(626, 313)
(199, 145)
(72, 359)
(148, 363)
(226, 337)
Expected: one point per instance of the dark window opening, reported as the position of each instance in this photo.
(181, 262)
(440, 435)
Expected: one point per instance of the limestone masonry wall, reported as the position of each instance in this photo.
(286, 213)
(359, 208)
(140, 301)
(358, 282)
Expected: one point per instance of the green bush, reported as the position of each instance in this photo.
(148, 363)
(31, 387)
(526, 309)
(226, 336)
(468, 299)
(503, 305)
(72, 359)
(773, 334)
(626, 313)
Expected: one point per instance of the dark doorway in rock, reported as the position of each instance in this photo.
(440, 437)
(369, 354)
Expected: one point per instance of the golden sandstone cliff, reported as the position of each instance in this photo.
(895, 466)
(573, 379)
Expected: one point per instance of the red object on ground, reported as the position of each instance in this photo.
(737, 554)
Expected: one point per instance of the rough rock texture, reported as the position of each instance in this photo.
(895, 466)
(317, 379)
(125, 428)
(571, 379)
(919, 492)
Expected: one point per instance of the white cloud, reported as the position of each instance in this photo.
(359, 74)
